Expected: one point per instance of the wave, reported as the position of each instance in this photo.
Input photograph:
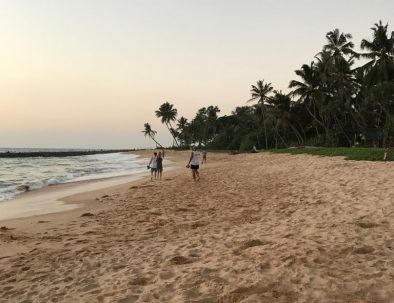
(43, 172)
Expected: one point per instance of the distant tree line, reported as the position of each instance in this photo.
(332, 103)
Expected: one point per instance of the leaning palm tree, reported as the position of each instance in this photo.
(168, 113)
(260, 92)
(148, 131)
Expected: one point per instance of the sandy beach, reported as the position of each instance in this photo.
(256, 228)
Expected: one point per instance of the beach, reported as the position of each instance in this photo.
(256, 228)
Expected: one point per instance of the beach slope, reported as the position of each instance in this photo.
(256, 228)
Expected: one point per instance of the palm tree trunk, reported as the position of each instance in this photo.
(296, 133)
(169, 126)
(343, 131)
(157, 143)
(317, 120)
(281, 138)
(265, 129)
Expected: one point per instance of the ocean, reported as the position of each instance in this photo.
(39, 172)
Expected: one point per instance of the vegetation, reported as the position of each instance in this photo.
(342, 98)
(358, 153)
(148, 131)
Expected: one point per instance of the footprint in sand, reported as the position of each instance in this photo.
(180, 260)
(367, 224)
(165, 275)
(253, 243)
(139, 281)
(364, 250)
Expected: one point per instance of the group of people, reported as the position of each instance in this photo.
(156, 164)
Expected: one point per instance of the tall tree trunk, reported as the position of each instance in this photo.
(157, 143)
(169, 126)
(265, 129)
(281, 138)
(296, 133)
(317, 120)
(343, 131)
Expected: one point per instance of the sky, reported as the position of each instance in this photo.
(90, 73)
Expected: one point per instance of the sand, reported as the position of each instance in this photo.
(256, 228)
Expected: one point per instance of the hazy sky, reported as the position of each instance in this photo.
(90, 73)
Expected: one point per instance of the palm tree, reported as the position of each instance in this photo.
(212, 116)
(381, 53)
(309, 92)
(379, 76)
(339, 45)
(148, 131)
(260, 92)
(168, 113)
(182, 128)
(281, 105)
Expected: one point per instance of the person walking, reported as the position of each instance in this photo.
(204, 157)
(153, 166)
(194, 164)
(159, 160)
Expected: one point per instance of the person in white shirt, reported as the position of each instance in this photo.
(194, 164)
(153, 166)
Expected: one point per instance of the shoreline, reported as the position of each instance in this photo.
(59, 154)
(53, 199)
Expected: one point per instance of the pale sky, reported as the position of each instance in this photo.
(90, 73)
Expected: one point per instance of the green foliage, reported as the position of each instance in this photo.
(369, 154)
(332, 104)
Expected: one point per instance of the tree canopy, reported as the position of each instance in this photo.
(341, 98)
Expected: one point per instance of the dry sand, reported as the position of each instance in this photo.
(256, 228)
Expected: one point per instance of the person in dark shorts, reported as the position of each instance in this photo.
(160, 165)
(194, 164)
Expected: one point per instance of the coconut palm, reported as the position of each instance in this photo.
(168, 114)
(182, 129)
(212, 116)
(381, 52)
(148, 131)
(260, 92)
(339, 45)
(281, 105)
(308, 90)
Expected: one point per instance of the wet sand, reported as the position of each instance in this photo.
(256, 228)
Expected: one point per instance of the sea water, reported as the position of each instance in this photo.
(39, 172)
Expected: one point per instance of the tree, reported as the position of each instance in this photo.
(260, 92)
(339, 45)
(212, 116)
(182, 127)
(308, 90)
(148, 131)
(281, 105)
(379, 77)
(168, 114)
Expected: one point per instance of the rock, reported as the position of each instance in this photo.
(87, 215)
